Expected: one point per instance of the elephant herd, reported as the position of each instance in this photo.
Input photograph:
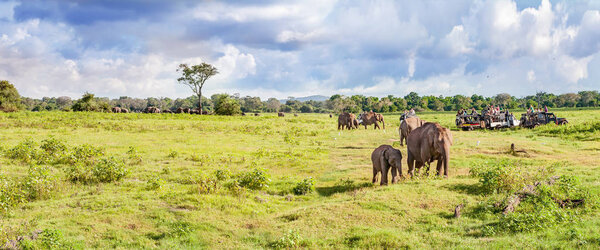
(155, 110)
(350, 121)
(425, 142)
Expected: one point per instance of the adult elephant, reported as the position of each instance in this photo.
(428, 143)
(116, 110)
(124, 110)
(346, 120)
(368, 118)
(280, 114)
(380, 119)
(384, 158)
(152, 110)
(408, 124)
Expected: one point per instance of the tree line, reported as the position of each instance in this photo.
(10, 100)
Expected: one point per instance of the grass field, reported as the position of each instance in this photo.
(173, 195)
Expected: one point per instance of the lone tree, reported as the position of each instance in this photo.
(10, 100)
(195, 77)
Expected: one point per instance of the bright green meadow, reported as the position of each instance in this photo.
(100, 180)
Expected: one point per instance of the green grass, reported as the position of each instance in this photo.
(173, 197)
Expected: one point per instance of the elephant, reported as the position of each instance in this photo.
(124, 110)
(151, 110)
(347, 120)
(256, 114)
(243, 114)
(408, 125)
(380, 119)
(167, 111)
(116, 110)
(204, 112)
(384, 157)
(280, 114)
(295, 115)
(368, 118)
(186, 110)
(179, 110)
(330, 116)
(428, 143)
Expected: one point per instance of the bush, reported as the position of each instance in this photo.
(290, 239)
(39, 184)
(155, 183)
(507, 176)
(84, 154)
(222, 175)
(134, 157)
(206, 185)
(105, 170)
(11, 193)
(256, 179)
(25, 151)
(305, 186)
(53, 151)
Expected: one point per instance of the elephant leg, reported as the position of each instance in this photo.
(401, 137)
(376, 125)
(446, 165)
(384, 170)
(383, 123)
(394, 174)
(411, 164)
(375, 175)
(439, 167)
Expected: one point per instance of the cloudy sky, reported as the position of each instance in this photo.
(297, 48)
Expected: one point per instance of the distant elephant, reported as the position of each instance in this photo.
(116, 110)
(384, 157)
(152, 110)
(330, 116)
(346, 120)
(256, 114)
(280, 114)
(124, 110)
(186, 110)
(368, 118)
(408, 125)
(179, 110)
(204, 112)
(426, 144)
(296, 115)
(243, 114)
(167, 111)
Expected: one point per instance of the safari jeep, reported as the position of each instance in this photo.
(532, 120)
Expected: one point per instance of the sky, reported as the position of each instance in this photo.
(279, 49)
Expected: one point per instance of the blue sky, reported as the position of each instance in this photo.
(297, 48)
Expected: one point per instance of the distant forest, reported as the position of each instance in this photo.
(335, 103)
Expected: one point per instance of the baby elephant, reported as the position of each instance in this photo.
(384, 157)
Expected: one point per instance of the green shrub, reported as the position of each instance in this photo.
(25, 151)
(155, 183)
(222, 175)
(305, 186)
(134, 156)
(206, 185)
(109, 170)
(105, 170)
(507, 176)
(256, 179)
(173, 154)
(84, 154)
(39, 184)
(290, 239)
(11, 193)
(52, 151)
(46, 239)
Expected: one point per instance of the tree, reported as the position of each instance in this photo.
(10, 100)
(86, 103)
(273, 104)
(225, 105)
(195, 77)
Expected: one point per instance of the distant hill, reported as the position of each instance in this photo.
(309, 98)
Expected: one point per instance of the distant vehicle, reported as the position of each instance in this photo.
(486, 121)
(532, 120)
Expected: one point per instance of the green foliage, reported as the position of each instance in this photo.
(87, 103)
(207, 185)
(154, 183)
(225, 105)
(588, 130)
(10, 100)
(305, 186)
(222, 174)
(39, 184)
(134, 156)
(105, 170)
(256, 179)
(84, 154)
(52, 151)
(25, 151)
(173, 154)
(47, 239)
(11, 193)
(291, 239)
(505, 176)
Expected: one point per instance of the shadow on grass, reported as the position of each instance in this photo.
(471, 189)
(342, 187)
(353, 147)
